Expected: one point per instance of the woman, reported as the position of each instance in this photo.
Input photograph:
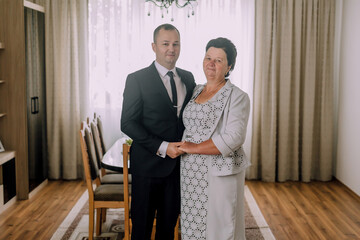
(213, 168)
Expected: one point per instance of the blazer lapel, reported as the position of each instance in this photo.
(189, 89)
(224, 95)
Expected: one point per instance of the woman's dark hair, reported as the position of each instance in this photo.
(229, 48)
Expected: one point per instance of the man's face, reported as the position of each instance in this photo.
(167, 48)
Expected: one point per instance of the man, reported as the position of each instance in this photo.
(152, 117)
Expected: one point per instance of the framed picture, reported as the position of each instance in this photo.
(2, 149)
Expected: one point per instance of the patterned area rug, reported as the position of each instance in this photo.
(75, 226)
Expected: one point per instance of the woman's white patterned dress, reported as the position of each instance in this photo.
(199, 210)
(198, 120)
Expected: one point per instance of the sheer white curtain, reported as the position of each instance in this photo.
(120, 37)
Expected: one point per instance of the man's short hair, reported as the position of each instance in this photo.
(165, 26)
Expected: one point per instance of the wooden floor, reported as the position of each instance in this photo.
(316, 210)
(39, 217)
(293, 210)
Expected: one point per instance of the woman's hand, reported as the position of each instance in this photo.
(188, 147)
(208, 147)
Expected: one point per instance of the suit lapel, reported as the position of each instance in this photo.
(159, 86)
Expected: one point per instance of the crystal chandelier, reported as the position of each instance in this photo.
(166, 4)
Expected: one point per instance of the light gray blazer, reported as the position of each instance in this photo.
(229, 130)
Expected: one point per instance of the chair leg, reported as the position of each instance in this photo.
(153, 230)
(98, 221)
(91, 223)
(127, 230)
(103, 215)
(176, 232)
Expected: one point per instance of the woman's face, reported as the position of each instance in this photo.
(215, 64)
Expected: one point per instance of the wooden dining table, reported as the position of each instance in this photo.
(113, 158)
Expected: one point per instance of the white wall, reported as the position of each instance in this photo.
(348, 146)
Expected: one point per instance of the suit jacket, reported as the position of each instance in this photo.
(149, 118)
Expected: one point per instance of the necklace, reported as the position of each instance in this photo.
(206, 94)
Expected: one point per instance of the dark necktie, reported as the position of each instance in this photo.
(173, 87)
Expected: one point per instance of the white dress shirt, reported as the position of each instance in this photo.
(181, 93)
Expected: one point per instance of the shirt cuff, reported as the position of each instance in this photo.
(162, 149)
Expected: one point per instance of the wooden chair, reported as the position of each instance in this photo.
(127, 197)
(96, 168)
(103, 196)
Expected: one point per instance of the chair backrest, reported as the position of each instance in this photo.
(97, 141)
(91, 152)
(86, 161)
(99, 124)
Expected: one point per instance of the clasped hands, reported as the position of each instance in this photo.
(176, 149)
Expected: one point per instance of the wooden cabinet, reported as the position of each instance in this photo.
(2, 114)
(13, 106)
(36, 95)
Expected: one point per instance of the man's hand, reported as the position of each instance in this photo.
(173, 150)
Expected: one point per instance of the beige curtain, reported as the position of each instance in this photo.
(66, 84)
(293, 91)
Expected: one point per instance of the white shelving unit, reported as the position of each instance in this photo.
(4, 157)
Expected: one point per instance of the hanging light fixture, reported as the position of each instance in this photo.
(166, 4)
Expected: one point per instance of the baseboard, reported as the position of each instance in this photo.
(8, 204)
(38, 188)
(346, 186)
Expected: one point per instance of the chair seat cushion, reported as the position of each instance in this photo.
(109, 192)
(107, 171)
(114, 179)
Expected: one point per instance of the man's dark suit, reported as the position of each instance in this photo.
(149, 118)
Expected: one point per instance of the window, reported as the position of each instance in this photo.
(120, 37)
